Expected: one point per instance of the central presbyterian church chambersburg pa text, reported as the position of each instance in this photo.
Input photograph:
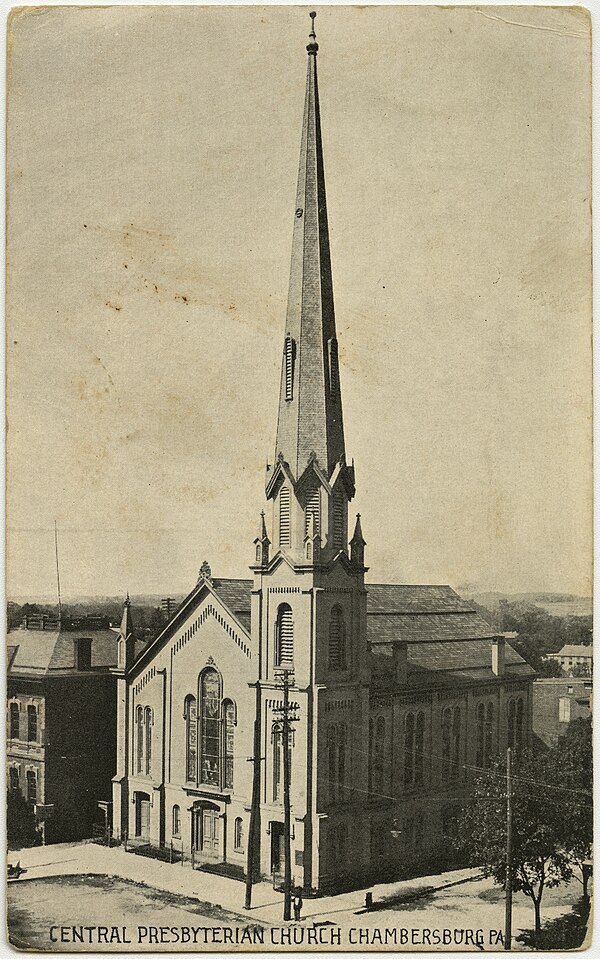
(399, 693)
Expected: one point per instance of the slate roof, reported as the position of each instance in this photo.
(235, 594)
(392, 598)
(44, 652)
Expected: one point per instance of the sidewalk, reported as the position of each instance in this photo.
(267, 904)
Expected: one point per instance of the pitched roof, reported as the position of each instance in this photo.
(398, 599)
(50, 651)
(575, 651)
(235, 594)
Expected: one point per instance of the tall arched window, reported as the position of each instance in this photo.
(14, 720)
(409, 745)
(139, 740)
(379, 757)
(238, 836)
(446, 742)
(337, 640)
(13, 780)
(31, 786)
(284, 516)
(419, 747)
(284, 637)
(480, 722)
(489, 734)
(519, 727)
(148, 725)
(31, 724)
(337, 740)
(191, 739)
(176, 821)
(229, 737)
(512, 716)
(210, 721)
(276, 735)
(456, 767)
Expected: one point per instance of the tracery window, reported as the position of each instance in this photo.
(284, 637)
(148, 736)
(139, 740)
(191, 738)
(337, 640)
(229, 718)
(210, 720)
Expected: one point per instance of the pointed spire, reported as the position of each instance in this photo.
(125, 638)
(357, 544)
(262, 543)
(126, 629)
(310, 405)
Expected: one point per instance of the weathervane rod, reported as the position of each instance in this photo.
(57, 571)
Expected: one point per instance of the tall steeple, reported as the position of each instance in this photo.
(310, 405)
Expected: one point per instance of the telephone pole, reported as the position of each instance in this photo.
(288, 716)
(509, 884)
(255, 804)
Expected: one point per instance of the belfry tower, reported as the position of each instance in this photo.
(309, 600)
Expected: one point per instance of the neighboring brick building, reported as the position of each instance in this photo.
(61, 723)
(402, 691)
(556, 703)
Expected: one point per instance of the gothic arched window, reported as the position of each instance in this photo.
(489, 734)
(229, 737)
(139, 740)
(455, 769)
(409, 745)
(446, 742)
(148, 725)
(337, 640)
(176, 821)
(14, 720)
(191, 739)
(284, 637)
(210, 727)
(378, 756)
(13, 774)
(480, 722)
(284, 516)
(419, 747)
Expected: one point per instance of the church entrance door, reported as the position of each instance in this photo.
(277, 852)
(208, 833)
(142, 817)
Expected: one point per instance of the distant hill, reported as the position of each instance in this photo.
(556, 604)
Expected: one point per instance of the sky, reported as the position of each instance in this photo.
(152, 163)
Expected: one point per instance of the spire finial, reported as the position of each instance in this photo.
(313, 46)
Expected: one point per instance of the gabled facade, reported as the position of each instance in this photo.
(400, 692)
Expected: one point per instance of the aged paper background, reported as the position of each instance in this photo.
(152, 163)
(152, 158)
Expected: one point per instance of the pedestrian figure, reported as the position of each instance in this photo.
(297, 903)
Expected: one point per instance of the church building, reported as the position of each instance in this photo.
(400, 693)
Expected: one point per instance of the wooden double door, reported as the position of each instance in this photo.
(207, 827)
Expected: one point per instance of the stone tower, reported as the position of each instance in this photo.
(309, 600)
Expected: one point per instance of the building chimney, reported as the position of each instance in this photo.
(400, 654)
(498, 655)
(83, 653)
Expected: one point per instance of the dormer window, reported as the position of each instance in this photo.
(288, 352)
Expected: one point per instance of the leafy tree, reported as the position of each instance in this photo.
(569, 765)
(539, 858)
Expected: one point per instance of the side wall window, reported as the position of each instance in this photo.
(191, 739)
(284, 637)
(176, 821)
(14, 720)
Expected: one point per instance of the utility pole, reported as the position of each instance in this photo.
(509, 884)
(286, 724)
(255, 804)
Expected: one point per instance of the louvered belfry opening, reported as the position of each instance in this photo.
(313, 510)
(337, 640)
(338, 520)
(284, 641)
(284, 516)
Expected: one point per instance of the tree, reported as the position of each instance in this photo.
(540, 860)
(569, 767)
